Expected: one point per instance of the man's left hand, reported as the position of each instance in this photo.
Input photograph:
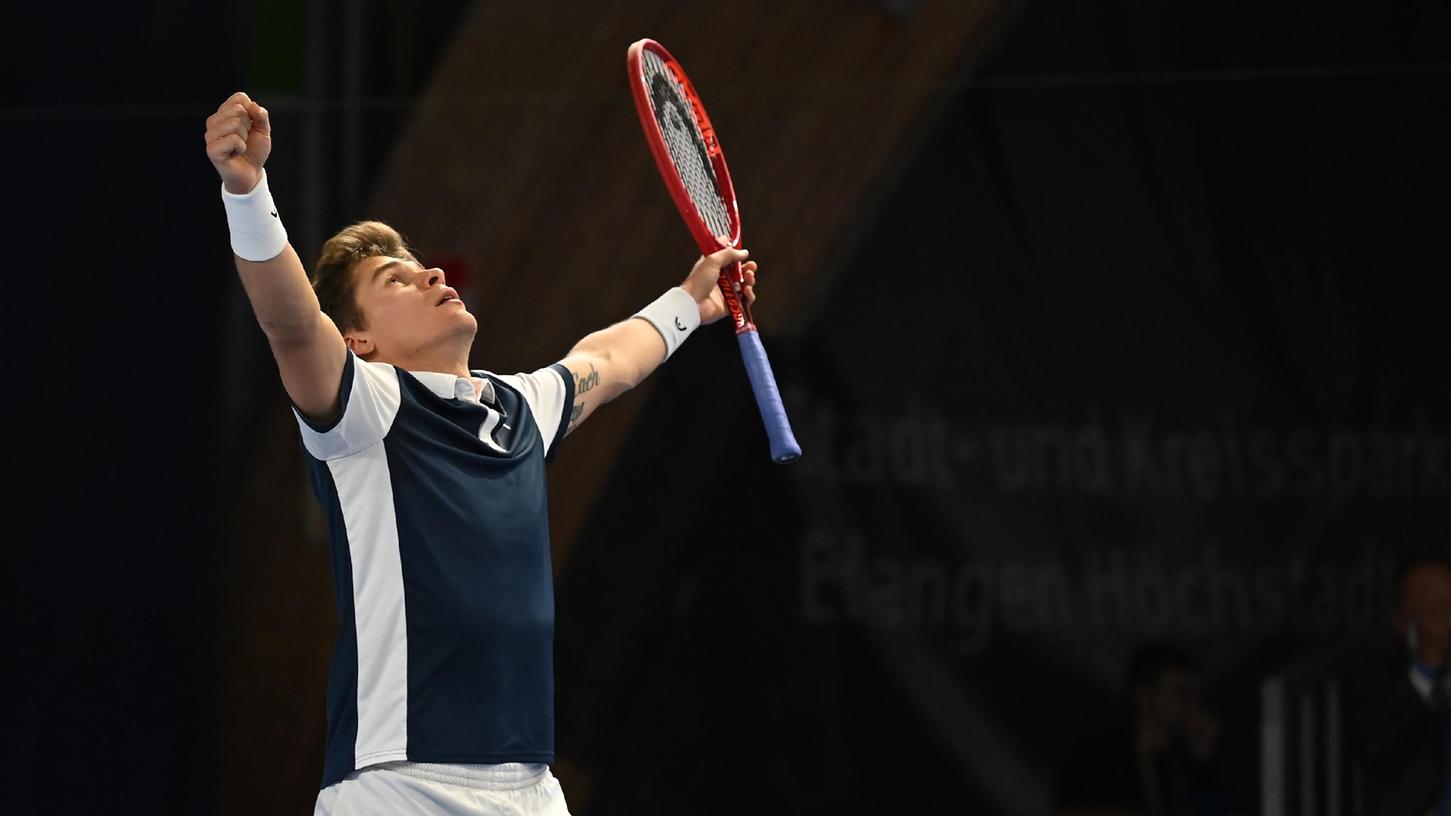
(702, 285)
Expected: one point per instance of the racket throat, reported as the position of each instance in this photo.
(740, 312)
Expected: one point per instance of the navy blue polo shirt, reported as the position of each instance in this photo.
(434, 493)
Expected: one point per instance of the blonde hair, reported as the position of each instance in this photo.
(332, 278)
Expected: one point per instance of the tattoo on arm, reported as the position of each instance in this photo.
(588, 382)
(583, 384)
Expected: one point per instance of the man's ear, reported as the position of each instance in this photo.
(360, 343)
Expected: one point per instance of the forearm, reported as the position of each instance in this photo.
(272, 275)
(611, 361)
(629, 351)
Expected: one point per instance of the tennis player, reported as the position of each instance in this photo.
(431, 477)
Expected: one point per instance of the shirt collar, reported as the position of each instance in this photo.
(1422, 682)
(449, 386)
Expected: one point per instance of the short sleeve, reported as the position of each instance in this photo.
(550, 394)
(369, 395)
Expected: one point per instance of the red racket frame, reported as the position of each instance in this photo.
(731, 279)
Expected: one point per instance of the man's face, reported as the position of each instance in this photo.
(1172, 711)
(410, 311)
(1173, 695)
(1425, 604)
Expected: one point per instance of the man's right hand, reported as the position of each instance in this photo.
(239, 139)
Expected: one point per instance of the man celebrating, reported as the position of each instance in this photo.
(431, 478)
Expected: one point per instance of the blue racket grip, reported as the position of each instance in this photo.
(768, 398)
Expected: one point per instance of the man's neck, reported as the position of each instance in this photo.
(456, 369)
(446, 365)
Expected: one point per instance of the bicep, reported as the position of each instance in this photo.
(595, 383)
(311, 366)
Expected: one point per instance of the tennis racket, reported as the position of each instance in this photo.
(691, 162)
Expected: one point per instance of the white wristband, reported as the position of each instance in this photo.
(257, 232)
(675, 315)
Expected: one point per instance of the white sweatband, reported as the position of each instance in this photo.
(257, 233)
(673, 314)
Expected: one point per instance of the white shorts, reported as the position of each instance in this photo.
(512, 789)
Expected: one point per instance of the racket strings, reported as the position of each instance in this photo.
(686, 144)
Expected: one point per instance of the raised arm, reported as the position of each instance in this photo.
(309, 350)
(611, 361)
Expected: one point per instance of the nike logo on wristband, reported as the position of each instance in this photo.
(678, 325)
(274, 215)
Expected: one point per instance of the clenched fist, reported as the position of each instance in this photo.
(703, 283)
(239, 139)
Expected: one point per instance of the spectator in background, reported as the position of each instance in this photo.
(1403, 739)
(1161, 761)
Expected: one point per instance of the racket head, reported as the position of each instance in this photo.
(686, 148)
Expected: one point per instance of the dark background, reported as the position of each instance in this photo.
(1214, 231)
